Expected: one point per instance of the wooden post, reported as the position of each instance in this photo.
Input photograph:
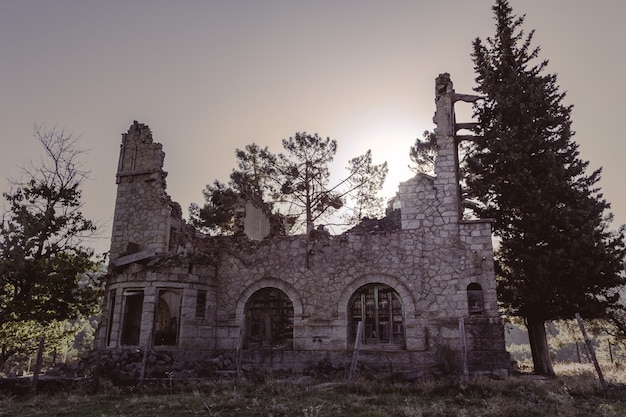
(146, 353)
(33, 385)
(463, 350)
(239, 349)
(144, 365)
(152, 327)
(355, 354)
(592, 353)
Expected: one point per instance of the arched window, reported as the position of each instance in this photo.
(269, 320)
(379, 308)
(475, 299)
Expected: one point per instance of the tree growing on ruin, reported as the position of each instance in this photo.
(46, 274)
(217, 215)
(557, 254)
(423, 153)
(296, 183)
(304, 176)
(253, 178)
(364, 184)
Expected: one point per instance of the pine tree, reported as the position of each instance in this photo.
(252, 180)
(557, 255)
(424, 153)
(296, 183)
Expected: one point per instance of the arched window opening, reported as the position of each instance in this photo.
(269, 320)
(167, 318)
(379, 307)
(475, 299)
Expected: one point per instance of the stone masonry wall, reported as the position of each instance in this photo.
(142, 208)
(430, 277)
(431, 264)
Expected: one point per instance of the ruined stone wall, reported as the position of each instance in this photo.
(150, 276)
(431, 276)
(142, 208)
(439, 266)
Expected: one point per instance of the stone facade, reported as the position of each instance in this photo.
(297, 302)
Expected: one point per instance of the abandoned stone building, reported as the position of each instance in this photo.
(416, 293)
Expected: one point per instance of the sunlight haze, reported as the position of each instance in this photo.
(212, 76)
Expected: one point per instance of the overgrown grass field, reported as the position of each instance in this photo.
(574, 392)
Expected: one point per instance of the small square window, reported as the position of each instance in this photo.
(201, 305)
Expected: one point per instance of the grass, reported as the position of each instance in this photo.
(574, 392)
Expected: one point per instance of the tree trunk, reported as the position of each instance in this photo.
(33, 384)
(539, 346)
(5, 354)
(3, 360)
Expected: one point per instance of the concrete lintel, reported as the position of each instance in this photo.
(470, 98)
(468, 126)
(133, 257)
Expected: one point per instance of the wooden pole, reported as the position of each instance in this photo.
(355, 354)
(146, 353)
(144, 365)
(463, 350)
(592, 353)
(239, 349)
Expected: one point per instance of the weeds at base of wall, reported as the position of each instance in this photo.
(571, 394)
(446, 359)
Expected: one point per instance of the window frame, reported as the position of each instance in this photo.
(269, 317)
(475, 300)
(381, 310)
(133, 303)
(167, 334)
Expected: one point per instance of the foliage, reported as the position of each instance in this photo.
(363, 184)
(614, 325)
(423, 153)
(304, 176)
(252, 178)
(295, 182)
(46, 275)
(557, 255)
(22, 338)
(255, 173)
(218, 212)
(64, 341)
(567, 344)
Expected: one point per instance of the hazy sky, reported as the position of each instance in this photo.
(212, 76)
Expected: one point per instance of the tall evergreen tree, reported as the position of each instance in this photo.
(557, 254)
